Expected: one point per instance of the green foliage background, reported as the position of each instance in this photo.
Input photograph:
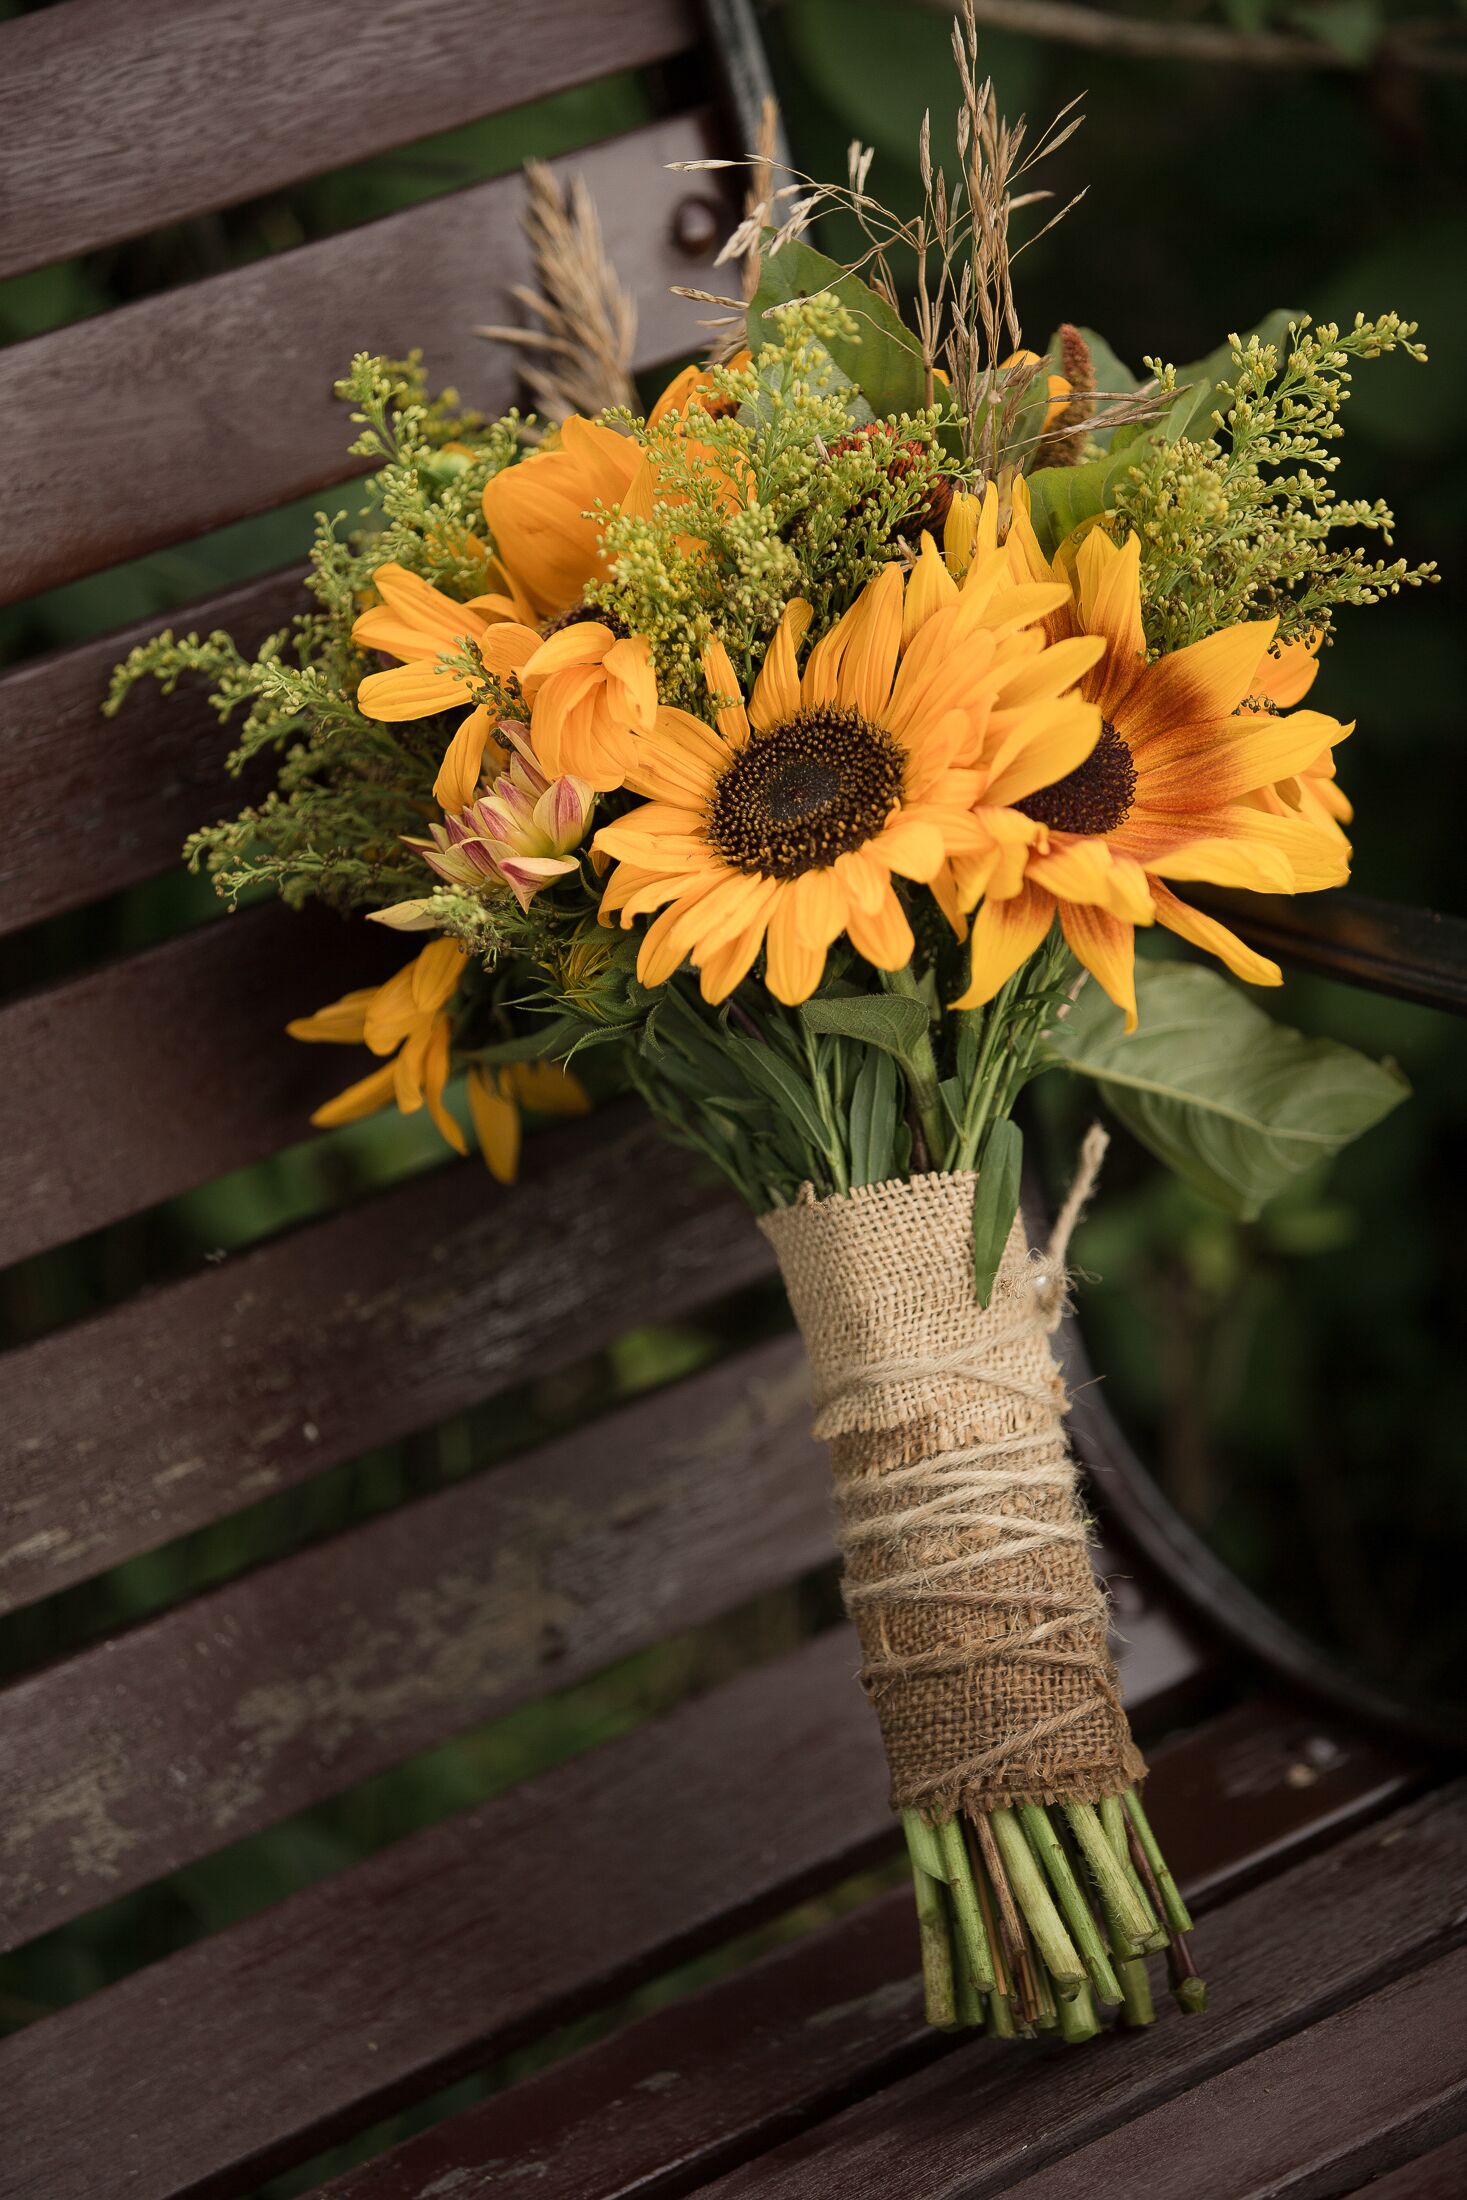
(1297, 1382)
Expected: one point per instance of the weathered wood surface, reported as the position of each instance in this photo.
(402, 1972)
(92, 804)
(1314, 2117)
(1330, 1932)
(144, 1078)
(301, 1678)
(110, 117)
(826, 2022)
(259, 1371)
(394, 1976)
(1439, 2175)
(203, 422)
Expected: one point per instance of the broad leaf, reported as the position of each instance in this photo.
(1061, 497)
(1237, 1104)
(884, 360)
(995, 1202)
(887, 1020)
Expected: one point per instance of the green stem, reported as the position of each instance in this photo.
(972, 1939)
(921, 1070)
(1076, 1910)
(939, 1994)
(1179, 1917)
(1033, 1897)
(1123, 1906)
(1077, 2018)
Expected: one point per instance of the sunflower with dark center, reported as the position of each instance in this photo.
(787, 820)
(1192, 778)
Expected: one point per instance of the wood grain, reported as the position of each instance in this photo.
(250, 1703)
(110, 117)
(396, 1975)
(91, 804)
(1313, 2117)
(1288, 1954)
(261, 1370)
(143, 1078)
(218, 396)
(831, 2020)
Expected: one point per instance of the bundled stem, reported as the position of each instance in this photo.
(1030, 1918)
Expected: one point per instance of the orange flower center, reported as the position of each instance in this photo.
(1095, 797)
(798, 796)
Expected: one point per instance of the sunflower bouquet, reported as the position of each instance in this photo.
(809, 750)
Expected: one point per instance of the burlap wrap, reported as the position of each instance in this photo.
(967, 1567)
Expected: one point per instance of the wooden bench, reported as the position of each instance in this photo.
(1327, 1855)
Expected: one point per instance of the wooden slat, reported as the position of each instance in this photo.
(976, 2123)
(164, 418)
(141, 1079)
(93, 806)
(1414, 954)
(250, 1703)
(779, 2046)
(393, 1977)
(1317, 2116)
(263, 1369)
(1440, 2175)
(115, 120)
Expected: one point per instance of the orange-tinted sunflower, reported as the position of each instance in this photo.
(1163, 796)
(407, 1018)
(1285, 677)
(782, 825)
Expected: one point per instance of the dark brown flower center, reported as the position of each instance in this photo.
(795, 798)
(1095, 797)
(585, 614)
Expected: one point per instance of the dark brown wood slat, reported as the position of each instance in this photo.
(218, 397)
(263, 1369)
(796, 2037)
(116, 120)
(1327, 1933)
(191, 1070)
(129, 790)
(250, 1703)
(1414, 954)
(381, 1982)
(1440, 2175)
(350, 1997)
(1307, 2120)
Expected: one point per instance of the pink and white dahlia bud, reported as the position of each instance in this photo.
(520, 834)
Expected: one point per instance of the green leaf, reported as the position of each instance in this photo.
(884, 360)
(1237, 1104)
(1350, 28)
(891, 1021)
(1060, 497)
(995, 1202)
(766, 1069)
(873, 1119)
(554, 1036)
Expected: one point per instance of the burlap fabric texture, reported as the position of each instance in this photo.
(967, 1569)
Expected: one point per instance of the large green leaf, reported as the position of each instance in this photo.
(883, 359)
(1060, 497)
(1237, 1104)
(887, 1020)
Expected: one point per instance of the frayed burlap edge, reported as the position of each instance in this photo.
(967, 1571)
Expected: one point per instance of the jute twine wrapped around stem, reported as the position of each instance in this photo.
(967, 1569)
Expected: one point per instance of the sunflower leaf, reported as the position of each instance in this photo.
(1236, 1104)
(884, 359)
(892, 1021)
(1061, 497)
(995, 1202)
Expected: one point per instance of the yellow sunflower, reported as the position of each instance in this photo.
(782, 825)
(499, 1097)
(407, 1018)
(1284, 678)
(1164, 795)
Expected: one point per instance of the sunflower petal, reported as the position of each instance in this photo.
(1004, 936)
